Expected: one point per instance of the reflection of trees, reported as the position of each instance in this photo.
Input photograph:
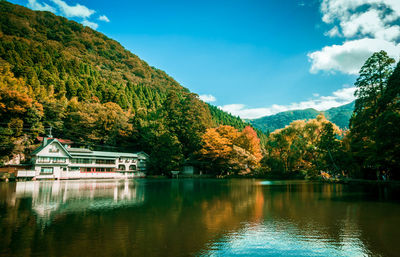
(180, 217)
(335, 213)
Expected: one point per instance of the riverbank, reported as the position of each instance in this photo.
(363, 181)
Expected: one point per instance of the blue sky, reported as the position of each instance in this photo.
(251, 58)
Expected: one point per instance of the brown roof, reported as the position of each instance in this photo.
(62, 141)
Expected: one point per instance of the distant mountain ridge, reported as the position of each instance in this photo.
(339, 115)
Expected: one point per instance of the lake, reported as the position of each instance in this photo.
(198, 217)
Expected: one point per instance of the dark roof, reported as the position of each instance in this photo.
(40, 148)
(49, 141)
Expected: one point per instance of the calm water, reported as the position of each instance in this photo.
(197, 218)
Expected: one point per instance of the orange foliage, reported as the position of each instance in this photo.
(215, 146)
(249, 140)
(227, 148)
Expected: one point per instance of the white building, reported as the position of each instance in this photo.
(52, 160)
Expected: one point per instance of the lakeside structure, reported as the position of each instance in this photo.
(55, 160)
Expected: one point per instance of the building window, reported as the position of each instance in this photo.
(54, 149)
(59, 160)
(74, 168)
(121, 167)
(43, 160)
(81, 160)
(132, 167)
(46, 170)
(101, 161)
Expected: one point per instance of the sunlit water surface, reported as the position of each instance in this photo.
(203, 217)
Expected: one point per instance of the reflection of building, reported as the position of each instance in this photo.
(55, 197)
(55, 160)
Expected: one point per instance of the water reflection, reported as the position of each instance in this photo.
(197, 217)
(54, 197)
(281, 239)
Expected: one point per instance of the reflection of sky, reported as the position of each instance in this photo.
(281, 239)
(54, 197)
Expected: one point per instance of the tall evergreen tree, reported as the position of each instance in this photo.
(388, 127)
(371, 84)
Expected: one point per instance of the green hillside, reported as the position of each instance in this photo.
(280, 120)
(338, 115)
(56, 73)
(341, 115)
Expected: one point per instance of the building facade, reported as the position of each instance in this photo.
(53, 160)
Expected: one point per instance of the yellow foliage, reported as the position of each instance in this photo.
(227, 147)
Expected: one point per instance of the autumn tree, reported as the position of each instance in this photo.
(19, 114)
(226, 150)
(95, 123)
(300, 148)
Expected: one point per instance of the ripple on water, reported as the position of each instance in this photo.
(281, 239)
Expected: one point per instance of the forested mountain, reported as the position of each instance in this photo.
(56, 73)
(339, 115)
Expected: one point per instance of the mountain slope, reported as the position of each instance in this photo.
(341, 115)
(338, 115)
(88, 88)
(54, 54)
(280, 120)
(58, 58)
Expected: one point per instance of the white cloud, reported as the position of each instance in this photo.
(321, 103)
(341, 9)
(34, 5)
(351, 55)
(78, 10)
(73, 11)
(208, 98)
(369, 23)
(334, 32)
(90, 24)
(366, 25)
(104, 18)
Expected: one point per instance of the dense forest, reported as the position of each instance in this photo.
(56, 73)
(338, 115)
